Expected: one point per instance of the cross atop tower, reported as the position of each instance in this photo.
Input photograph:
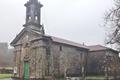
(33, 13)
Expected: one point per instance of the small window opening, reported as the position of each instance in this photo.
(29, 18)
(36, 18)
(60, 48)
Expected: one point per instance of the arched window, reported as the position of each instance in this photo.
(36, 18)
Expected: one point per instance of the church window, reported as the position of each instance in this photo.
(60, 48)
(29, 18)
(36, 18)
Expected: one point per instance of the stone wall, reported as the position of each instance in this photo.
(98, 60)
(67, 59)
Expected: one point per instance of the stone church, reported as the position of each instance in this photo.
(48, 56)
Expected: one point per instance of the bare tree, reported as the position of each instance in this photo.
(112, 22)
(115, 67)
(111, 67)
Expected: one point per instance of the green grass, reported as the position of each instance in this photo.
(101, 78)
(97, 78)
(3, 76)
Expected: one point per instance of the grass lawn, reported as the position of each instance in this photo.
(3, 76)
(100, 77)
(97, 78)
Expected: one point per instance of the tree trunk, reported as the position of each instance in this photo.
(65, 75)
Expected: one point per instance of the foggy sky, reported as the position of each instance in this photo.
(76, 20)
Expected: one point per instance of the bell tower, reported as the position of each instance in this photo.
(33, 13)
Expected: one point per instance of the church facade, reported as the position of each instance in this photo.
(48, 56)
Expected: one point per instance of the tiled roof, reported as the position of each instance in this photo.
(68, 42)
(99, 48)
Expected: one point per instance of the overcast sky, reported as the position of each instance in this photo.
(76, 20)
